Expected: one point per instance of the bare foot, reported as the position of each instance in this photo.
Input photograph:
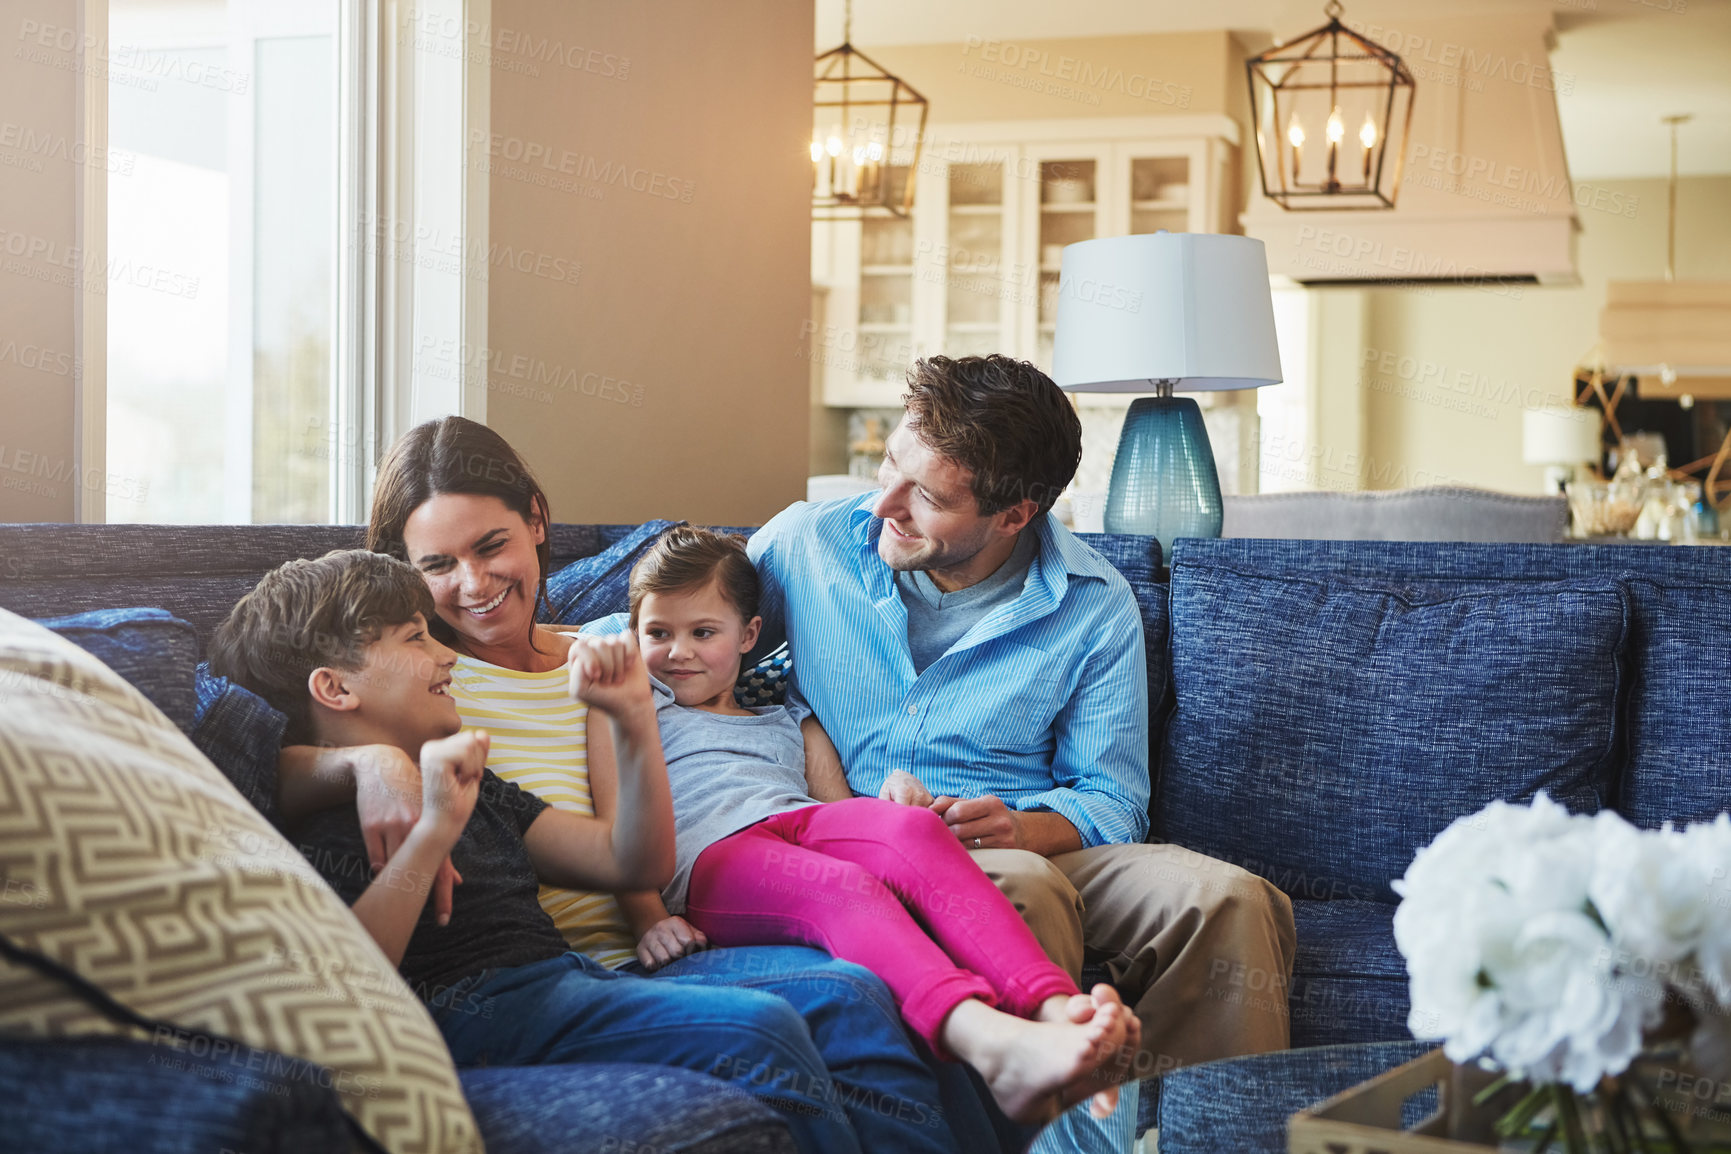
(1036, 1069)
(1116, 1068)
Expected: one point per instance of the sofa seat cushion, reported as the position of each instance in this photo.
(1326, 728)
(1679, 766)
(614, 1108)
(151, 878)
(1349, 982)
(153, 649)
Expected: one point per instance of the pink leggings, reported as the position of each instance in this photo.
(875, 883)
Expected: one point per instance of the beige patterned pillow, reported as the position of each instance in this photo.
(129, 858)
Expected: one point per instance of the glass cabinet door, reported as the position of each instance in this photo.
(1069, 212)
(1159, 194)
(976, 273)
(886, 279)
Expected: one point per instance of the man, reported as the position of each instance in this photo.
(965, 651)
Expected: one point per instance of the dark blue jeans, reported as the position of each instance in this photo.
(572, 1009)
(896, 1094)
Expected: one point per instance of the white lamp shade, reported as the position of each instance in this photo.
(1559, 436)
(1191, 308)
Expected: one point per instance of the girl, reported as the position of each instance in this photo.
(761, 860)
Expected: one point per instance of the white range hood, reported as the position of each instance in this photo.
(1485, 195)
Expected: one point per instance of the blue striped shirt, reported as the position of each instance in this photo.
(1043, 703)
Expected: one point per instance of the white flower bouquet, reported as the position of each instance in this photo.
(1559, 948)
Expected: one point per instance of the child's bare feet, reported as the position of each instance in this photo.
(1036, 1069)
(1116, 1068)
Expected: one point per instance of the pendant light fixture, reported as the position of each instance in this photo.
(867, 128)
(1332, 114)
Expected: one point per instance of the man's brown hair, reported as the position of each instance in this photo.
(1001, 418)
(305, 615)
(686, 557)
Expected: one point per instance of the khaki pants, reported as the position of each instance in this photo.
(1201, 949)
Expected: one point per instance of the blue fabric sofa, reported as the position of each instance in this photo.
(1320, 710)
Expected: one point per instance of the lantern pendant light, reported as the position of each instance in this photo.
(867, 128)
(1322, 82)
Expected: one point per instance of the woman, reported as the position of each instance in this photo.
(454, 500)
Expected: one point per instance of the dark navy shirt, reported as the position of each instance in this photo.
(496, 920)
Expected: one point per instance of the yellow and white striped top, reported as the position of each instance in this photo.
(539, 741)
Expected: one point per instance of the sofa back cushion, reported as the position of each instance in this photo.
(129, 860)
(1679, 759)
(1326, 728)
(153, 649)
(196, 572)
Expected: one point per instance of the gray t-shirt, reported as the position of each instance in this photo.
(726, 773)
(937, 620)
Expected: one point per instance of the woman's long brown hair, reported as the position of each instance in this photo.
(454, 455)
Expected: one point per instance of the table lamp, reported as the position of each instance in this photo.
(1162, 313)
(1560, 439)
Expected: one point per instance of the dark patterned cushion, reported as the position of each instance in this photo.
(1325, 729)
(153, 649)
(595, 586)
(241, 733)
(1679, 708)
(119, 1096)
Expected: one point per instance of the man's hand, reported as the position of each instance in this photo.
(388, 801)
(982, 822)
(608, 674)
(667, 940)
(904, 788)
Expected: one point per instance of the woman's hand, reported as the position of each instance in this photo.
(668, 940)
(904, 788)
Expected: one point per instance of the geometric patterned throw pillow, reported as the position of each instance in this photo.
(128, 859)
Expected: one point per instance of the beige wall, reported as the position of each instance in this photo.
(685, 393)
(987, 79)
(37, 343)
(1497, 351)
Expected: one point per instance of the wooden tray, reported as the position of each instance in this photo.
(1366, 1118)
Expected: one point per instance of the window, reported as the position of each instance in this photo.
(280, 236)
(223, 244)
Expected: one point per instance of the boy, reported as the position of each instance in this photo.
(340, 645)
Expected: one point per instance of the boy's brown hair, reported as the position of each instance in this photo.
(305, 615)
(1000, 418)
(686, 557)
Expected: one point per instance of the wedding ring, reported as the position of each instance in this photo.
(976, 843)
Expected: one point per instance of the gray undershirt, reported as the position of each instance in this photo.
(937, 620)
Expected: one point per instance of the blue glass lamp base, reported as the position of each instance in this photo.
(1164, 483)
